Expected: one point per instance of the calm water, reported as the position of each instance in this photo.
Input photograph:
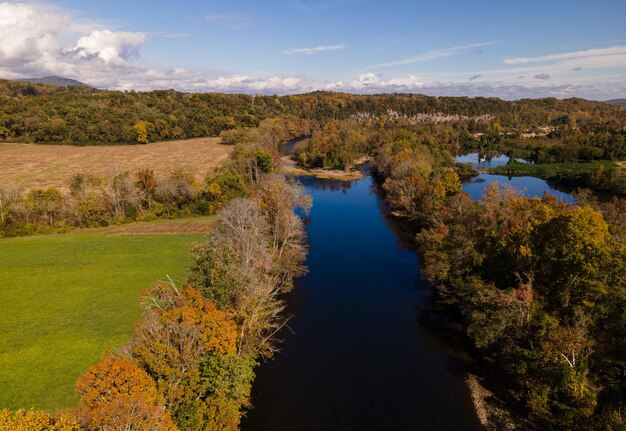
(368, 351)
(528, 186)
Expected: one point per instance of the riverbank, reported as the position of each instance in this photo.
(291, 167)
(491, 410)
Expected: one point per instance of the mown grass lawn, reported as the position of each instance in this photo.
(67, 299)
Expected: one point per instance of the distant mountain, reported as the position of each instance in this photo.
(616, 102)
(54, 80)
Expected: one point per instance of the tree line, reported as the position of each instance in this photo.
(92, 201)
(39, 113)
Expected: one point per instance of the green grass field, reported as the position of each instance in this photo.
(67, 299)
(551, 170)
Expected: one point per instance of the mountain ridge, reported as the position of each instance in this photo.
(54, 80)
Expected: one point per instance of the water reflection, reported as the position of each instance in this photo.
(528, 186)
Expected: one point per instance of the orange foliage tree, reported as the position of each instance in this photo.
(177, 334)
(118, 395)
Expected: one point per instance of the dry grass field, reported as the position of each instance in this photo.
(31, 166)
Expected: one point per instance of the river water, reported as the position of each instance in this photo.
(367, 350)
(528, 186)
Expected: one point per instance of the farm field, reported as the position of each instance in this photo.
(29, 165)
(67, 299)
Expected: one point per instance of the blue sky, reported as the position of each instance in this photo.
(510, 49)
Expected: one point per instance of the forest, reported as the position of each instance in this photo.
(38, 113)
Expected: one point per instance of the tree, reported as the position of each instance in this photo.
(118, 395)
(8, 195)
(141, 132)
(46, 204)
(33, 420)
(171, 342)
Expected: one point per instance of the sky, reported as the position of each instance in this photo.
(508, 48)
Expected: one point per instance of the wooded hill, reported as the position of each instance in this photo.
(39, 113)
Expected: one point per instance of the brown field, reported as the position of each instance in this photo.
(161, 227)
(32, 166)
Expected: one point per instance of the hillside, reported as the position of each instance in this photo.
(54, 80)
(617, 102)
(39, 113)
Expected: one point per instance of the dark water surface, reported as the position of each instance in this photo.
(367, 352)
(528, 186)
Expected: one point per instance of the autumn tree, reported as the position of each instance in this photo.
(118, 395)
(34, 420)
(180, 332)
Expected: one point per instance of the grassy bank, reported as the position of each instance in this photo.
(600, 175)
(66, 299)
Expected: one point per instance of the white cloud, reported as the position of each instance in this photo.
(29, 32)
(315, 49)
(111, 47)
(493, 89)
(431, 55)
(372, 83)
(41, 39)
(247, 84)
(585, 54)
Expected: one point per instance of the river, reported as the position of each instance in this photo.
(367, 347)
(367, 350)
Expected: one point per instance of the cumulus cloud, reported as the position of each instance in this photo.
(29, 32)
(372, 83)
(41, 39)
(35, 42)
(315, 49)
(110, 47)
